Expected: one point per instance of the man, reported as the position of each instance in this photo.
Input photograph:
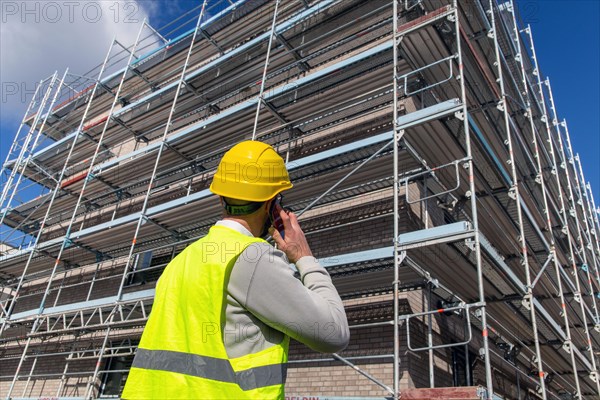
(226, 307)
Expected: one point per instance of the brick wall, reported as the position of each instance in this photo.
(72, 287)
(333, 377)
(46, 381)
(370, 349)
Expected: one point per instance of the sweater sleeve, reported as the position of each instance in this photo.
(309, 310)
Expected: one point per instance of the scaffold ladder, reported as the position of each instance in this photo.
(14, 153)
(29, 144)
(514, 191)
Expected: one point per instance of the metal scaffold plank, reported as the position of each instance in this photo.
(436, 235)
(423, 115)
(84, 305)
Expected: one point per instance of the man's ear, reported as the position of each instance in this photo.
(223, 210)
(268, 205)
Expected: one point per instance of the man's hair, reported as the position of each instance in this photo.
(236, 207)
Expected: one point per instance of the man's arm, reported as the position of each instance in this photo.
(309, 310)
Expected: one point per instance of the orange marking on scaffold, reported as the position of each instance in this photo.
(542, 373)
(484, 333)
(31, 116)
(73, 180)
(424, 18)
(70, 99)
(134, 241)
(93, 124)
(440, 310)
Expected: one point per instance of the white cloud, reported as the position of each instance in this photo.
(40, 37)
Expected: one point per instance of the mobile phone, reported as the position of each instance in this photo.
(274, 215)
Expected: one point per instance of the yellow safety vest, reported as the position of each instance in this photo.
(181, 354)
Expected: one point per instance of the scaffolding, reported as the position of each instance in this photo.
(433, 177)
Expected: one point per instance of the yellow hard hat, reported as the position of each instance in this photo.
(251, 171)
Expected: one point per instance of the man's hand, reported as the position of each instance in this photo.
(294, 245)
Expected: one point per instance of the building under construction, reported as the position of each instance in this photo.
(434, 177)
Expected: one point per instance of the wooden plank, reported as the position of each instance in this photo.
(448, 393)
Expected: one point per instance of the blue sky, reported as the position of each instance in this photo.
(567, 42)
(32, 46)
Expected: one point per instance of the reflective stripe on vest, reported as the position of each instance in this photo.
(210, 368)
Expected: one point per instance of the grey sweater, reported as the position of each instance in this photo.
(265, 300)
